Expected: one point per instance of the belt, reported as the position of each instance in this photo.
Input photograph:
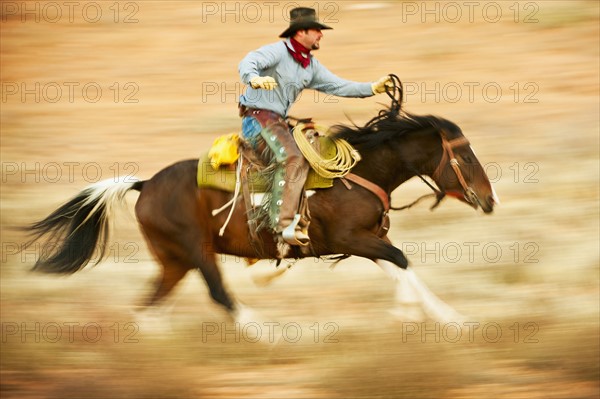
(264, 113)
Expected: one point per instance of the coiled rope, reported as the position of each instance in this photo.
(345, 159)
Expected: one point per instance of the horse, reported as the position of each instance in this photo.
(349, 218)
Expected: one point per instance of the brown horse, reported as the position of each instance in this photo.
(348, 218)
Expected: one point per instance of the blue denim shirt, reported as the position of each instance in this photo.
(274, 60)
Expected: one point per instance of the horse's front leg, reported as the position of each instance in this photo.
(414, 299)
(412, 295)
(368, 245)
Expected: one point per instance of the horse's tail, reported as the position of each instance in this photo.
(80, 227)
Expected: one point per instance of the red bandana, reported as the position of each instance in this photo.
(300, 53)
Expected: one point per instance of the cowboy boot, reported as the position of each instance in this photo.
(288, 183)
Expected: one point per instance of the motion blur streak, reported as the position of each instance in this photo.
(96, 90)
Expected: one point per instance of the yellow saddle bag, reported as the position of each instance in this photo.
(224, 150)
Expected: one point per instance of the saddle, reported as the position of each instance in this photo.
(234, 165)
(217, 167)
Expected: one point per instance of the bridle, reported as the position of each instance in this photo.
(396, 93)
(448, 156)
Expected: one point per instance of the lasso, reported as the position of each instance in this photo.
(345, 159)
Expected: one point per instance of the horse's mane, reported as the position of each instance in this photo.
(391, 124)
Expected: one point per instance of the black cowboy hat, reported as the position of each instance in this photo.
(303, 18)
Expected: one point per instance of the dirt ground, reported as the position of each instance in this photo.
(91, 90)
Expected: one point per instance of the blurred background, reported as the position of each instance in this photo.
(94, 90)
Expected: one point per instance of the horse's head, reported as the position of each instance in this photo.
(459, 173)
(423, 145)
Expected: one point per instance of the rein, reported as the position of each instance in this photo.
(396, 95)
(447, 156)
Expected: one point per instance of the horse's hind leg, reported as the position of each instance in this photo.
(177, 258)
(173, 270)
(206, 263)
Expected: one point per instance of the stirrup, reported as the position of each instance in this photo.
(293, 236)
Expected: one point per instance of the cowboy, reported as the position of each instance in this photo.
(276, 74)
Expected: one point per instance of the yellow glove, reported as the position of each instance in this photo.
(263, 82)
(381, 85)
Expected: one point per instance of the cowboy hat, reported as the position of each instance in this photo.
(303, 18)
